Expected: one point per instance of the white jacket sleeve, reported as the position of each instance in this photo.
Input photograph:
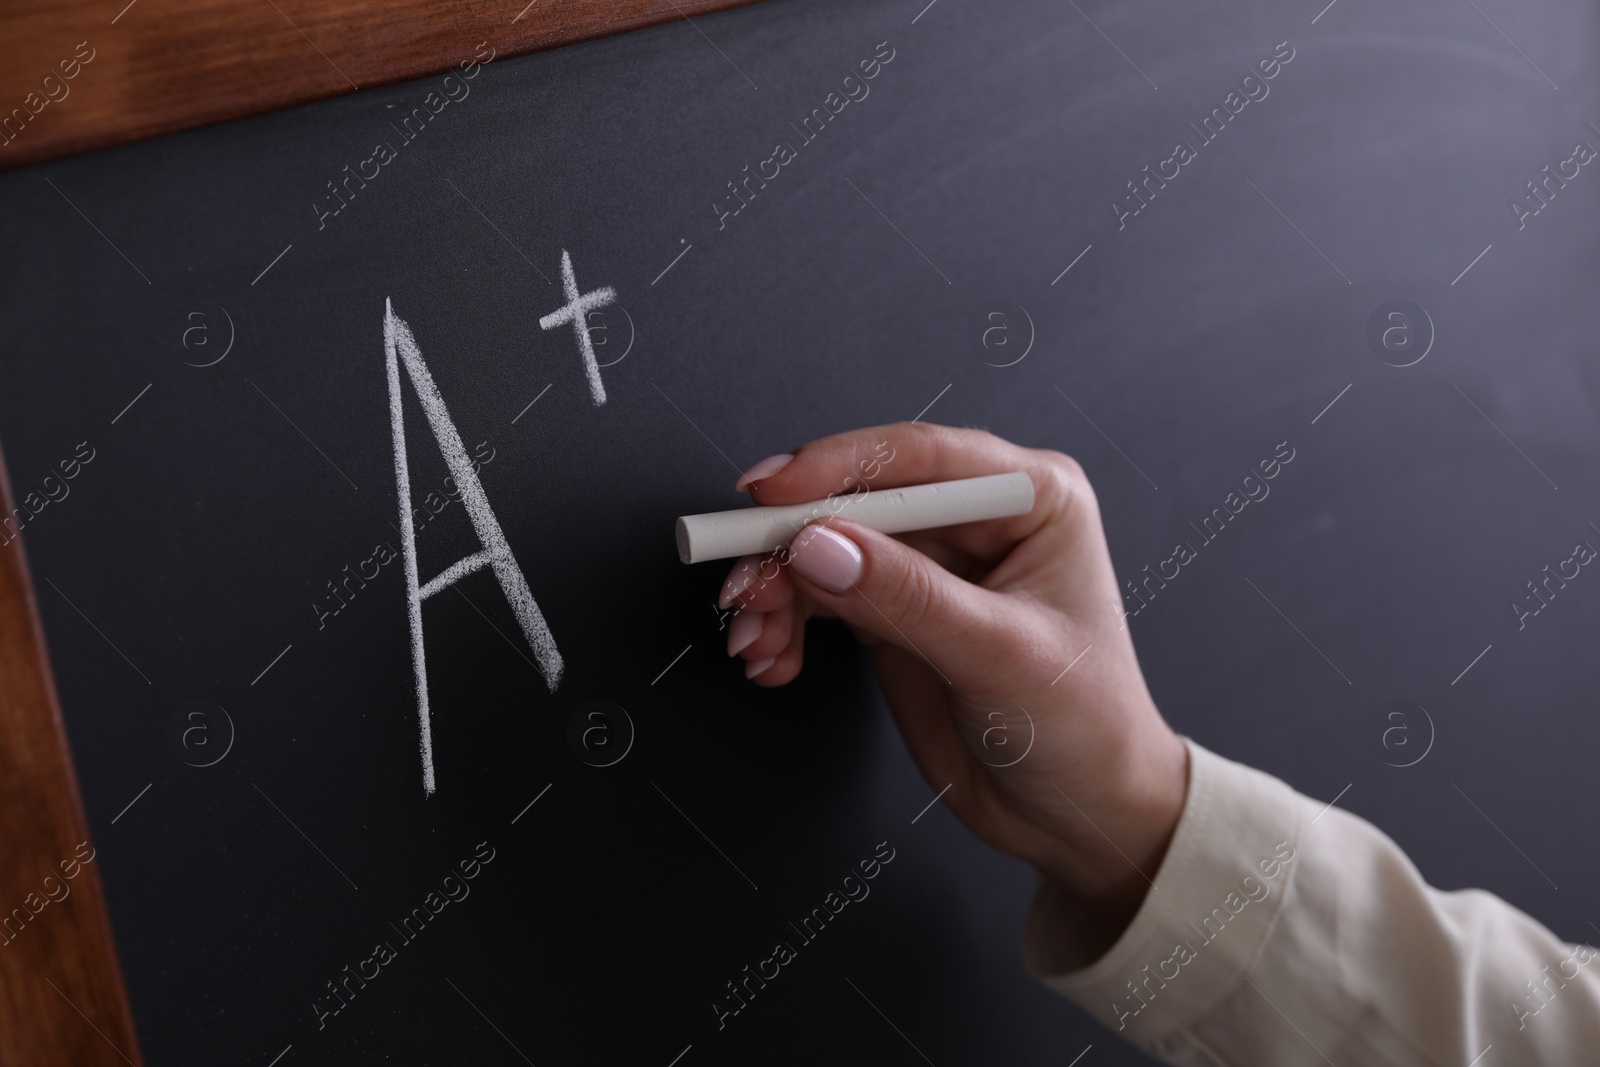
(1281, 932)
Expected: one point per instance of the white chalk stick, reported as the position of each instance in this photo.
(724, 534)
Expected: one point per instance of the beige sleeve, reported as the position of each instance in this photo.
(1281, 932)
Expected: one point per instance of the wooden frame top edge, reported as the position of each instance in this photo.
(82, 75)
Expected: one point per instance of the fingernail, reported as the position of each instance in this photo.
(830, 559)
(765, 469)
(744, 629)
(740, 579)
(755, 667)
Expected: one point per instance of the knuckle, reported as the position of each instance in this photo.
(1065, 466)
(1065, 476)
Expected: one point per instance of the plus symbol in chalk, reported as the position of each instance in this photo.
(576, 312)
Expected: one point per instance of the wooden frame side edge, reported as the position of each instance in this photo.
(62, 998)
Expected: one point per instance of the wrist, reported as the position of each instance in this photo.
(1101, 863)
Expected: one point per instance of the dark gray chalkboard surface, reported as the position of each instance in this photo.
(1344, 263)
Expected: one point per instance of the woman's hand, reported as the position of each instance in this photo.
(1000, 646)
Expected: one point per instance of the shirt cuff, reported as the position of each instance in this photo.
(1206, 919)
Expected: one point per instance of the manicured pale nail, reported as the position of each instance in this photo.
(740, 579)
(744, 629)
(830, 559)
(755, 667)
(765, 469)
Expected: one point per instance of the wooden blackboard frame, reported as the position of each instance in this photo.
(88, 74)
(172, 66)
(61, 994)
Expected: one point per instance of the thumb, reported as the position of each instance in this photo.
(894, 592)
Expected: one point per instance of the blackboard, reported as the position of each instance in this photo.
(1378, 259)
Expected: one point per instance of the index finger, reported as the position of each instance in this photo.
(907, 453)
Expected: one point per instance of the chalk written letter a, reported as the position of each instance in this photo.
(400, 346)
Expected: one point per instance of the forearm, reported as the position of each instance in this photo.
(1279, 933)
